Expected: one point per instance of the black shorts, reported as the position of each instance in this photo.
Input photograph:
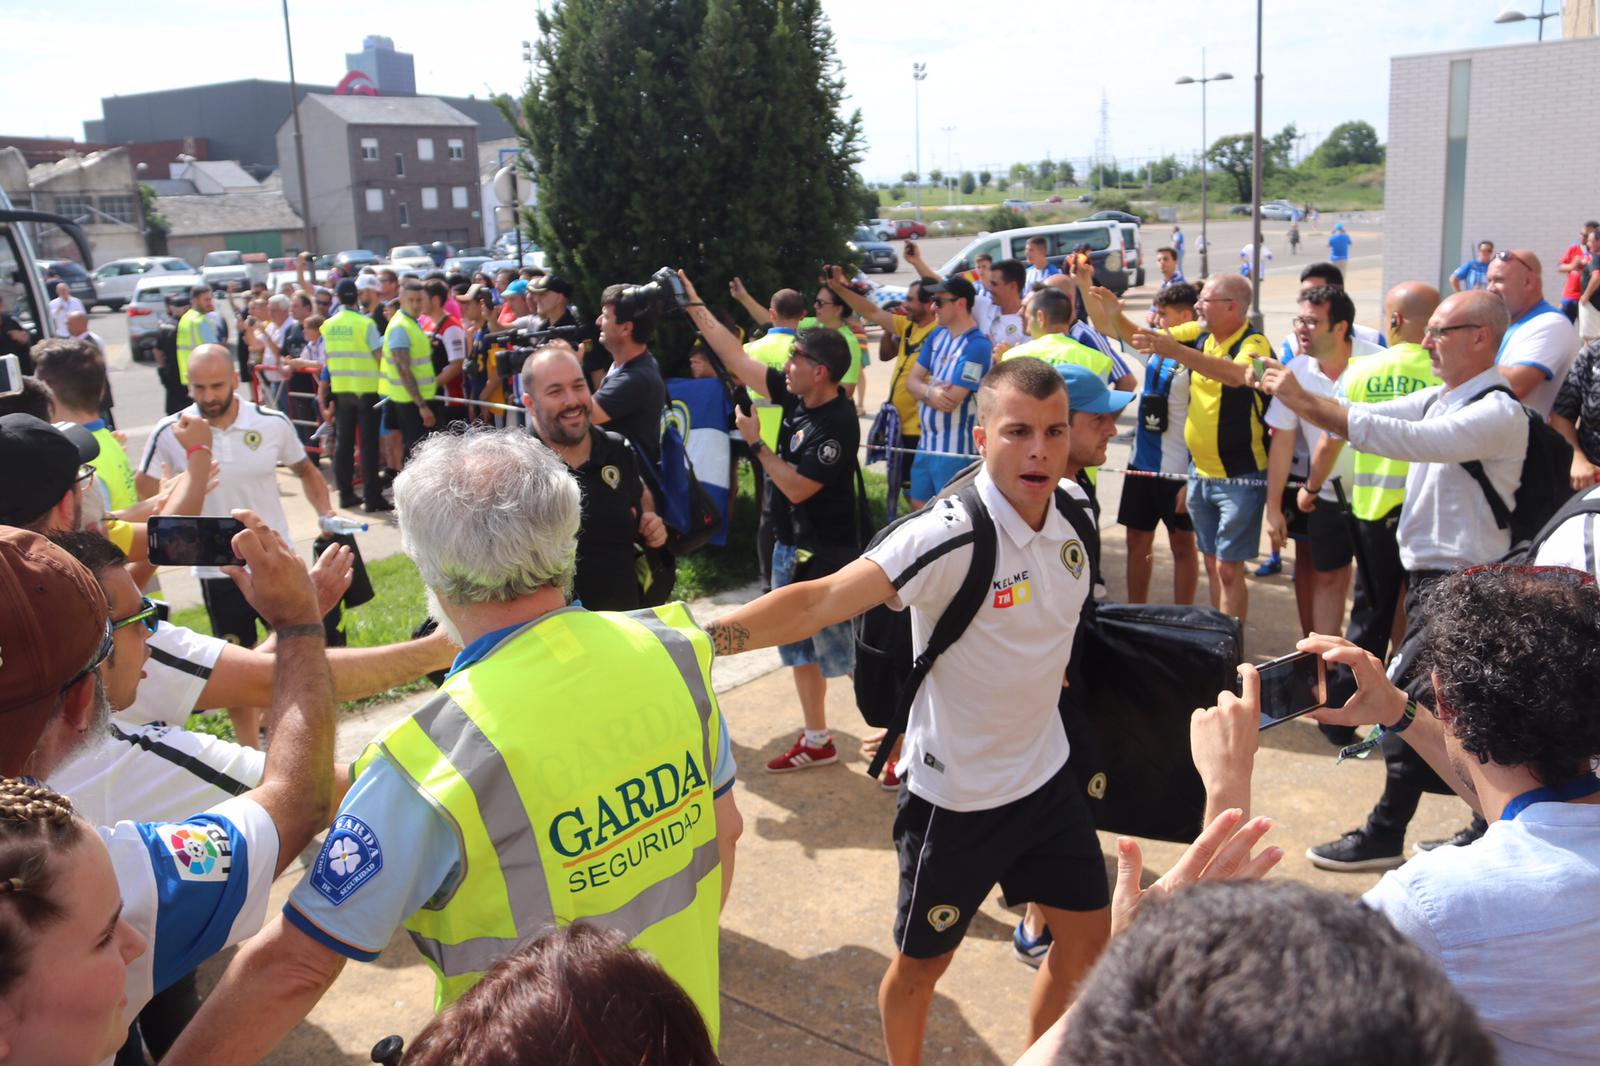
(232, 617)
(1333, 544)
(1040, 849)
(1299, 521)
(1147, 501)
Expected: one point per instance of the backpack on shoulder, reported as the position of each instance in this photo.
(1545, 483)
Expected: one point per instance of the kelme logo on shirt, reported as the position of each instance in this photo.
(199, 852)
(350, 857)
(1073, 557)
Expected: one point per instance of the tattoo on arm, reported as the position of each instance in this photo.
(729, 638)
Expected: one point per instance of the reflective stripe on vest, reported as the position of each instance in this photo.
(559, 817)
(351, 365)
(421, 358)
(1379, 484)
(188, 340)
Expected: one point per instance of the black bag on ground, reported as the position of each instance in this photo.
(1546, 477)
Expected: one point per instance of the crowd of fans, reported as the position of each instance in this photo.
(563, 874)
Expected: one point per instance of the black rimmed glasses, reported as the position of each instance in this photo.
(1436, 333)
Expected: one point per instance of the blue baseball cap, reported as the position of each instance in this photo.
(1087, 391)
(517, 288)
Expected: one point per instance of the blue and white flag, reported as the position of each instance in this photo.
(702, 412)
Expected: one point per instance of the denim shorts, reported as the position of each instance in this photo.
(1227, 517)
(834, 648)
(930, 473)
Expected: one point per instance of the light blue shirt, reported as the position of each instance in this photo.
(961, 361)
(1036, 276)
(1338, 246)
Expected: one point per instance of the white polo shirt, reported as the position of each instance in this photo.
(1543, 339)
(1309, 373)
(985, 728)
(247, 455)
(156, 773)
(175, 675)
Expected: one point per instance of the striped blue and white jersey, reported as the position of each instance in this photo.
(961, 361)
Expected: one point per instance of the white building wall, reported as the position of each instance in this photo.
(1533, 169)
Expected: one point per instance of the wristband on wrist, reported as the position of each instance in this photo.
(757, 446)
(305, 629)
(1407, 716)
(197, 448)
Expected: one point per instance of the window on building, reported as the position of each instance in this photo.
(79, 208)
(458, 148)
(399, 165)
(124, 209)
(430, 199)
(374, 199)
(405, 214)
(369, 149)
(425, 149)
(458, 197)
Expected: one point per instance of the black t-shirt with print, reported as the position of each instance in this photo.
(633, 396)
(612, 494)
(820, 442)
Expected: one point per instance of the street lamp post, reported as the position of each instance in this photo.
(1510, 15)
(1256, 166)
(299, 144)
(919, 74)
(1205, 199)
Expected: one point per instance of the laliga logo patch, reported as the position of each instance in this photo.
(1097, 785)
(1073, 557)
(252, 439)
(199, 852)
(943, 917)
(611, 475)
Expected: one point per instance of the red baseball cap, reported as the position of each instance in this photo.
(55, 627)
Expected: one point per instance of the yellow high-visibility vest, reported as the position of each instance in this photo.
(351, 366)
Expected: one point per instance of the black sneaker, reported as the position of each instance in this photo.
(378, 506)
(1357, 850)
(348, 503)
(1465, 836)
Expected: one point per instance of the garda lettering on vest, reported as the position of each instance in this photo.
(1391, 386)
(665, 802)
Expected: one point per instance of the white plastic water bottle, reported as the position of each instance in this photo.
(334, 524)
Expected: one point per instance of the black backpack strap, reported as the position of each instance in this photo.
(1580, 504)
(1474, 467)
(963, 608)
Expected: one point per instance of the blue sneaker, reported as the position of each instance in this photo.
(1030, 952)
(1273, 565)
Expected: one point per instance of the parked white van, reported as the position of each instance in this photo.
(1107, 250)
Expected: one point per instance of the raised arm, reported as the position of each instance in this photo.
(750, 372)
(1164, 344)
(296, 787)
(753, 307)
(914, 258)
(1321, 411)
(243, 677)
(801, 610)
(839, 285)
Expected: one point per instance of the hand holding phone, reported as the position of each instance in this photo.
(193, 540)
(1291, 685)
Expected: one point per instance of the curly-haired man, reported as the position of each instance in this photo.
(1514, 918)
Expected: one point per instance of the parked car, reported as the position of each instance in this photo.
(147, 308)
(1107, 249)
(410, 259)
(474, 253)
(465, 264)
(906, 229)
(882, 228)
(1053, 199)
(53, 271)
(1113, 216)
(1018, 206)
(351, 262)
(872, 254)
(904, 205)
(114, 282)
(1278, 211)
(219, 268)
(1243, 210)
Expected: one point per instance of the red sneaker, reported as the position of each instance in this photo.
(801, 757)
(890, 780)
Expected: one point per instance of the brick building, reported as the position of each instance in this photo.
(1488, 144)
(384, 171)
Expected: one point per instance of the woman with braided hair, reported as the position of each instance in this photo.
(64, 946)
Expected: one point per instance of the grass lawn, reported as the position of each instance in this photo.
(398, 607)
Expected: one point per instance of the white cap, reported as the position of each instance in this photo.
(368, 283)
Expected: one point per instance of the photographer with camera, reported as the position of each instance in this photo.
(633, 393)
(815, 509)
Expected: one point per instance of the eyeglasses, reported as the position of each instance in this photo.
(107, 645)
(944, 301)
(1513, 257)
(1435, 333)
(85, 475)
(1307, 321)
(149, 613)
(1216, 300)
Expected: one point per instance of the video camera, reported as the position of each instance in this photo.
(521, 343)
(664, 288)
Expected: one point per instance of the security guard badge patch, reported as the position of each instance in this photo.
(1073, 557)
(350, 857)
(610, 475)
(943, 917)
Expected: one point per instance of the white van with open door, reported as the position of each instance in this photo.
(1104, 240)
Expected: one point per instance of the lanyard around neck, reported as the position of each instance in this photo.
(1576, 789)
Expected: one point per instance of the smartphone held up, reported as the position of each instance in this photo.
(1291, 686)
(190, 540)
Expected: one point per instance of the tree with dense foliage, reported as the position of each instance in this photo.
(1233, 155)
(1349, 143)
(706, 134)
(1045, 170)
(984, 178)
(969, 184)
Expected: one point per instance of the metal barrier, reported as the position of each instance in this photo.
(268, 394)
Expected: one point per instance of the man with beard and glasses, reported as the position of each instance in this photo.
(617, 509)
(247, 443)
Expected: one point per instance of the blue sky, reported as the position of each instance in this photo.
(1013, 80)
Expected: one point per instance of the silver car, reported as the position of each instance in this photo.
(147, 310)
(115, 281)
